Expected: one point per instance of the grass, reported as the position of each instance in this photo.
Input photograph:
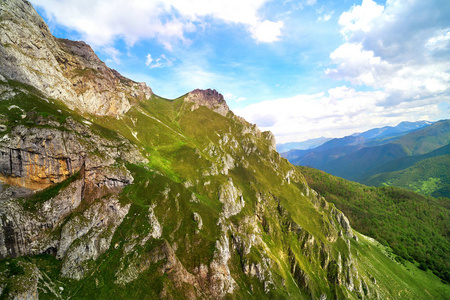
(428, 177)
(388, 213)
(182, 146)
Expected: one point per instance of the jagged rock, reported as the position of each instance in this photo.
(271, 140)
(209, 98)
(197, 218)
(89, 235)
(35, 158)
(220, 280)
(59, 68)
(343, 221)
(232, 199)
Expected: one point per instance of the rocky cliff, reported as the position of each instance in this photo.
(172, 199)
(208, 98)
(59, 68)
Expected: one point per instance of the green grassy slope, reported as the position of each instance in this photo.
(415, 226)
(429, 177)
(180, 179)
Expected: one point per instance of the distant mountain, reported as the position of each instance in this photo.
(355, 158)
(355, 165)
(389, 131)
(348, 144)
(305, 145)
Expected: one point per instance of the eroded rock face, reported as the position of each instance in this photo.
(87, 236)
(61, 69)
(68, 223)
(209, 98)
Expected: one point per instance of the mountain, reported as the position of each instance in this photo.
(339, 147)
(356, 165)
(385, 213)
(354, 158)
(391, 131)
(108, 190)
(429, 176)
(305, 145)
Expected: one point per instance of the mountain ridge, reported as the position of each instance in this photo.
(60, 68)
(355, 158)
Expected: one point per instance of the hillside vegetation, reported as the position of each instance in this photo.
(430, 177)
(416, 227)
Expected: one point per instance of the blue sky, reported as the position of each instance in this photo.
(300, 68)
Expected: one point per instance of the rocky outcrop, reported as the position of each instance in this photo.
(209, 98)
(232, 199)
(36, 158)
(75, 166)
(84, 237)
(61, 69)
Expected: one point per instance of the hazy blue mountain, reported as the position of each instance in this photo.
(305, 145)
(388, 131)
(356, 158)
(348, 144)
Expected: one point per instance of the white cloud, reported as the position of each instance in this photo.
(113, 53)
(340, 112)
(267, 31)
(360, 17)
(102, 21)
(404, 57)
(325, 17)
(161, 62)
(439, 41)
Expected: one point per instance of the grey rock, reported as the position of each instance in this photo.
(209, 98)
(61, 69)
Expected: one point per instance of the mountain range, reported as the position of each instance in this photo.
(305, 145)
(110, 191)
(387, 156)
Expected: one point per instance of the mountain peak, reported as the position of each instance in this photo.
(212, 99)
(61, 69)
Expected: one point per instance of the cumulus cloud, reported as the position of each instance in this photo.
(341, 111)
(161, 62)
(360, 18)
(267, 31)
(398, 48)
(398, 53)
(102, 21)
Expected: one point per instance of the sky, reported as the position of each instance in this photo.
(299, 68)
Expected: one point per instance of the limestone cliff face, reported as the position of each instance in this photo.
(68, 223)
(61, 69)
(209, 98)
(36, 158)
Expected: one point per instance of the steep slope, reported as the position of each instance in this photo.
(61, 69)
(386, 214)
(430, 177)
(168, 199)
